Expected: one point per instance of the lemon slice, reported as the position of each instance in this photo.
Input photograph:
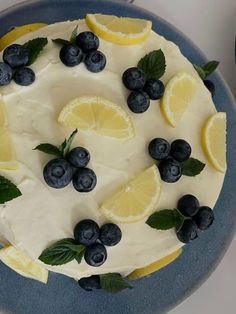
(22, 264)
(91, 113)
(178, 95)
(136, 200)
(18, 32)
(119, 30)
(144, 271)
(214, 141)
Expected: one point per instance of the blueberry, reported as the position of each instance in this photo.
(90, 283)
(71, 55)
(210, 86)
(134, 78)
(84, 180)
(86, 232)
(57, 173)
(180, 150)
(188, 205)
(204, 217)
(78, 157)
(95, 254)
(154, 88)
(24, 76)
(188, 232)
(16, 56)
(110, 234)
(95, 61)
(170, 170)
(159, 148)
(5, 74)
(87, 41)
(138, 101)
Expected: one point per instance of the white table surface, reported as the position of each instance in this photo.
(211, 24)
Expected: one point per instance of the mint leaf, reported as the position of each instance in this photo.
(49, 149)
(8, 190)
(74, 35)
(62, 252)
(200, 71)
(166, 219)
(65, 146)
(153, 64)
(113, 282)
(205, 70)
(210, 67)
(192, 167)
(35, 46)
(80, 255)
(60, 41)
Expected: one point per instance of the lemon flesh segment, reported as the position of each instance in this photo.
(178, 95)
(144, 271)
(22, 264)
(136, 200)
(119, 30)
(214, 141)
(18, 32)
(99, 115)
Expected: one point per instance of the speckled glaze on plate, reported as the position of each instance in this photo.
(166, 288)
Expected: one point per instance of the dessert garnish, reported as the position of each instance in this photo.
(87, 235)
(204, 71)
(188, 219)
(17, 58)
(70, 166)
(179, 92)
(143, 81)
(174, 160)
(83, 46)
(135, 200)
(214, 140)
(8, 190)
(119, 30)
(112, 282)
(99, 115)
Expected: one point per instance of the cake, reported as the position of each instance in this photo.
(43, 215)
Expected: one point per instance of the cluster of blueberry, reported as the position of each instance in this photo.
(170, 157)
(84, 49)
(197, 218)
(142, 89)
(15, 59)
(88, 233)
(59, 172)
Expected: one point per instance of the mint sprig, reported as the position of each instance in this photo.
(8, 190)
(34, 47)
(153, 64)
(63, 42)
(166, 219)
(60, 151)
(192, 167)
(62, 252)
(207, 69)
(113, 283)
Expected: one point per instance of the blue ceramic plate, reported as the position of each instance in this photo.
(166, 288)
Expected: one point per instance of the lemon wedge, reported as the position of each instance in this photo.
(92, 113)
(178, 95)
(214, 141)
(119, 30)
(22, 264)
(144, 271)
(18, 32)
(136, 200)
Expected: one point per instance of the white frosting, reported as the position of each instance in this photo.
(43, 215)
